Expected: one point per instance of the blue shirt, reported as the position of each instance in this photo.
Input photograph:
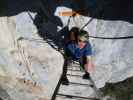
(76, 52)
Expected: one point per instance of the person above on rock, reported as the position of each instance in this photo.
(79, 49)
(72, 35)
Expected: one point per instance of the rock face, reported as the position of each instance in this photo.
(113, 58)
(25, 55)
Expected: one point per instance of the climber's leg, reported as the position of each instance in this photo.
(65, 80)
(83, 61)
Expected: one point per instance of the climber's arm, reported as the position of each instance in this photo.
(89, 65)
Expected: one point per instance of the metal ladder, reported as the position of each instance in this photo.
(78, 88)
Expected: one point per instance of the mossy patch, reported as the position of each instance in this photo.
(121, 91)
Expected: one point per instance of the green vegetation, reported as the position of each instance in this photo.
(121, 91)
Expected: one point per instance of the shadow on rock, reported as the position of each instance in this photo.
(100, 9)
(4, 95)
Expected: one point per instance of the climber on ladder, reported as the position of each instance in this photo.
(77, 47)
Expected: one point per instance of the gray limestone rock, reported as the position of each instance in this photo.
(24, 54)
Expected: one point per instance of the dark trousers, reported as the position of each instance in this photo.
(67, 61)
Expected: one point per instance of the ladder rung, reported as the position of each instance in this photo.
(75, 70)
(72, 96)
(75, 75)
(80, 84)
